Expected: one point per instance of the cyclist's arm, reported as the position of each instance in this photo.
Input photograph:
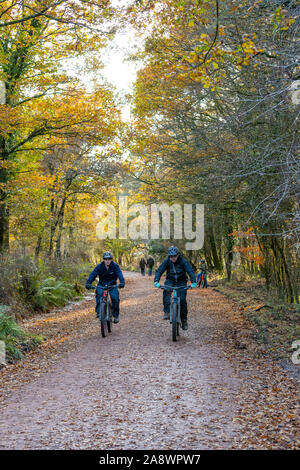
(190, 271)
(160, 270)
(92, 277)
(120, 276)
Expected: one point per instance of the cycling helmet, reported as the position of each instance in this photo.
(202, 260)
(173, 251)
(107, 255)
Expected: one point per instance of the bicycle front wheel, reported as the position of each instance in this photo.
(175, 325)
(109, 316)
(103, 320)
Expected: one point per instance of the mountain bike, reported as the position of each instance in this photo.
(202, 282)
(105, 310)
(175, 308)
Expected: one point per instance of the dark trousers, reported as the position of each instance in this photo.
(115, 300)
(167, 301)
(150, 271)
(143, 271)
(204, 279)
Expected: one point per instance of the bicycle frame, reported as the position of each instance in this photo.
(175, 298)
(202, 279)
(175, 302)
(106, 301)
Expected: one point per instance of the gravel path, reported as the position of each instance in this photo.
(135, 389)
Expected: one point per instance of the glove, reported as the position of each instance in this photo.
(89, 286)
(156, 284)
(121, 286)
(193, 285)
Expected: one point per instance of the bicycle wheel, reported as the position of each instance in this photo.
(174, 321)
(109, 316)
(103, 320)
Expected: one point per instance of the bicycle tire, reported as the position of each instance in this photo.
(103, 321)
(109, 315)
(178, 318)
(174, 321)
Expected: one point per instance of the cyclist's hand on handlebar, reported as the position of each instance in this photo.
(89, 286)
(193, 285)
(156, 284)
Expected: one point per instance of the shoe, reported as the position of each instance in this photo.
(97, 314)
(116, 320)
(166, 316)
(184, 324)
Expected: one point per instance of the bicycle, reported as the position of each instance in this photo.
(105, 310)
(175, 308)
(202, 280)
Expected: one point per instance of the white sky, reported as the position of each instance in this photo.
(120, 73)
(117, 70)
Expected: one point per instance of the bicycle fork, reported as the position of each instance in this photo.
(175, 300)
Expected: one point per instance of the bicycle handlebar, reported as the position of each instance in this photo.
(174, 288)
(108, 287)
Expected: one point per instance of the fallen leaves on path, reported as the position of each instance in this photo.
(215, 388)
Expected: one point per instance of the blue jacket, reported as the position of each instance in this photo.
(106, 276)
(176, 272)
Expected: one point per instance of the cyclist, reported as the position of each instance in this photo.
(176, 267)
(150, 264)
(108, 272)
(142, 264)
(202, 272)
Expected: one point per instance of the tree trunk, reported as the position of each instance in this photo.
(229, 243)
(216, 260)
(38, 247)
(57, 253)
(4, 211)
(52, 227)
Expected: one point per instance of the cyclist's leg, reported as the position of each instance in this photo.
(167, 301)
(115, 301)
(99, 292)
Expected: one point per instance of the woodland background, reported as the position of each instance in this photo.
(214, 120)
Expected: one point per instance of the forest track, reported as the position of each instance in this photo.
(137, 389)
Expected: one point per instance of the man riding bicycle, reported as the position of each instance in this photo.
(108, 272)
(177, 267)
(202, 274)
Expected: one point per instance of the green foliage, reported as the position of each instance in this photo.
(38, 286)
(51, 292)
(16, 340)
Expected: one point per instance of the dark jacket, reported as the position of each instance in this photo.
(142, 263)
(150, 262)
(106, 276)
(203, 267)
(176, 272)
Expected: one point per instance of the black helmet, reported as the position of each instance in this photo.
(107, 255)
(173, 251)
(202, 261)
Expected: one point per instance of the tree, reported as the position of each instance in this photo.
(36, 39)
(214, 121)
